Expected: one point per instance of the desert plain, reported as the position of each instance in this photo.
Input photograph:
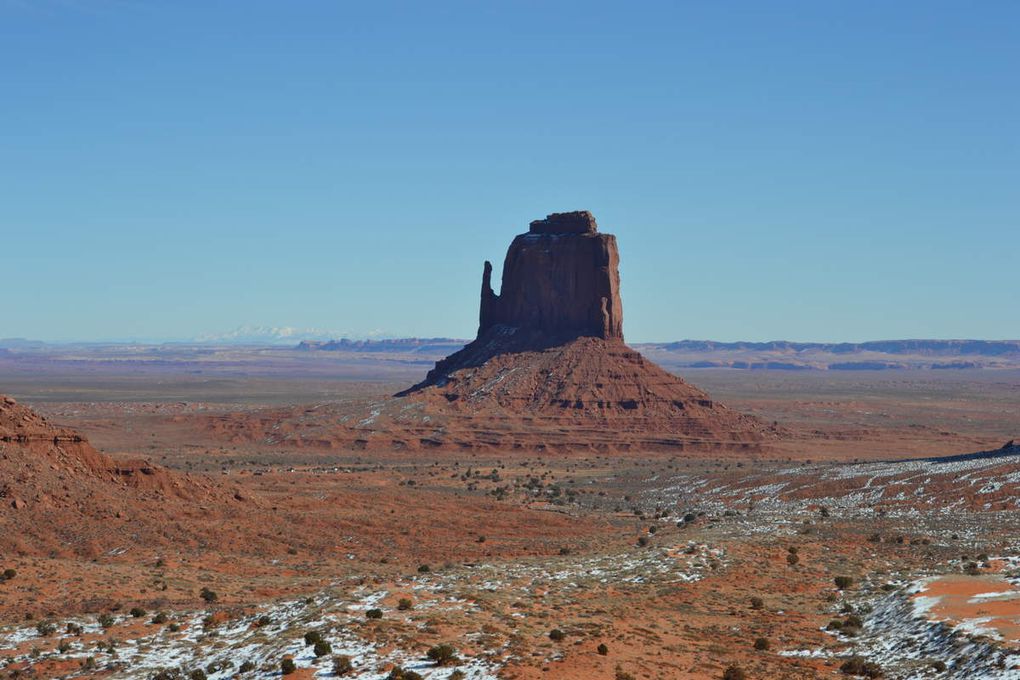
(873, 534)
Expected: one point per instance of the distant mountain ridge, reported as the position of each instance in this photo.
(937, 347)
(423, 345)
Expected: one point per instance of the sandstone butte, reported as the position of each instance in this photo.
(549, 367)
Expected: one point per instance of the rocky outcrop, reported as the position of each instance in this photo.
(59, 494)
(560, 281)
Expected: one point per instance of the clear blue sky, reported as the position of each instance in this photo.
(800, 170)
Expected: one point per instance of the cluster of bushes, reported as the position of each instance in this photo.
(320, 646)
(7, 574)
(861, 667)
(850, 626)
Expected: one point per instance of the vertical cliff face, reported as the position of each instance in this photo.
(560, 280)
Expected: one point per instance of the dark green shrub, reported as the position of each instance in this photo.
(342, 665)
(8, 574)
(793, 559)
(556, 635)
(843, 582)
(443, 655)
(424, 569)
(287, 666)
(45, 628)
(404, 604)
(761, 644)
(858, 666)
(312, 636)
(198, 674)
(757, 603)
(602, 649)
(734, 672)
(374, 613)
(106, 620)
(398, 673)
(161, 618)
(209, 595)
(322, 648)
(247, 667)
(137, 612)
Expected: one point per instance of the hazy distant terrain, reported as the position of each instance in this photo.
(406, 356)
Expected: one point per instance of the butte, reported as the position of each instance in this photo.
(549, 368)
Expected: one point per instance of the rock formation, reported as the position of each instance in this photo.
(560, 281)
(549, 365)
(58, 494)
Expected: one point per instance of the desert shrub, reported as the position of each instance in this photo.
(247, 667)
(322, 648)
(556, 635)
(793, 559)
(174, 627)
(972, 569)
(843, 582)
(64, 647)
(404, 604)
(757, 603)
(642, 541)
(398, 673)
(73, 629)
(208, 595)
(137, 612)
(342, 665)
(106, 620)
(938, 665)
(374, 613)
(424, 569)
(623, 675)
(456, 675)
(89, 663)
(761, 644)
(859, 666)
(443, 655)
(312, 636)
(481, 539)
(168, 674)
(287, 666)
(875, 538)
(602, 649)
(160, 618)
(45, 628)
(734, 672)
(264, 620)
(197, 674)
(853, 621)
(8, 574)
